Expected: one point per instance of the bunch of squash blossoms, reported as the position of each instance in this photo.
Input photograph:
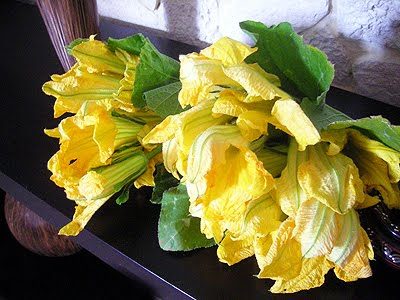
(263, 180)
(101, 152)
(264, 165)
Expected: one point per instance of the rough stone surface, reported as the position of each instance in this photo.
(377, 76)
(360, 37)
(325, 37)
(376, 21)
(301, 14)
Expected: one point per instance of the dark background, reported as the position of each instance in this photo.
(25, 275)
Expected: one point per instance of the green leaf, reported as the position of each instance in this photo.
(177, 230)
(164, 100)
(303, 70)
(132, 44)
(154, 70)
(374, 127)
(163, 181)
(322, 115)
(124, 196)
(73, 44)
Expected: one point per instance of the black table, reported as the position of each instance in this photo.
(126, 237)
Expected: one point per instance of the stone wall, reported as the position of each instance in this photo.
(361, 37)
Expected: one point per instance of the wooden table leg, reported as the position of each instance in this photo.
(34, 233)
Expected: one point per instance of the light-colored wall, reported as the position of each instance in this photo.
(361, 37)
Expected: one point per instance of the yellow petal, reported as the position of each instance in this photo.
(352, 250)
(147, 178)
(199, 75)
(368, 201)
(283, 258)
(82, 215)
(228, 51)
(374, 174)
(279, 257)
(55, 133)
(162, 132)
(258, 84)
(317, 228)
(332, 180)
(295, 122)
(253, 124)
(390, 156)
(232, 251)
(78, 153)
(222, 176)
(262, 216)
(97, 57)
(230, 102)
(185, 127)
(312, 275)
(288, 192)
(72, 91)
(337, 139)
(170, 156)
(125, 90)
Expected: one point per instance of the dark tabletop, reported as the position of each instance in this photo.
(125, 237)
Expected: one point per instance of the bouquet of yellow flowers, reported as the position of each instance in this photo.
(239, 144)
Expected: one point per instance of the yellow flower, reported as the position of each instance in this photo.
(201, 73)
(378, 164)
(319, 193)
(223, 175)
(244, 91)
(88, 140)
(178, 132)
(262, 216)
(99, 74)
(279, 257)
(99, 184)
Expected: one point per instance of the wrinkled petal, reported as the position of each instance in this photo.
(232, 251)
(96, 56)
(258, 84)
(54, 133)
(332, 180)
(253, 124)
(262, 216)
(374, 174)
(288, 192)
(72, 91)
(81, 217)
(223, 174)
(198, 75)
(230, 102)
(228, 51)
(147, 178)
(390, 156)
(185, 127)
(170, 156)
(337, 139)
(317, 228)
(282, 259)
(312, 275)
(88, 140)
(352, 250)
(124, 93)
(291, 119)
